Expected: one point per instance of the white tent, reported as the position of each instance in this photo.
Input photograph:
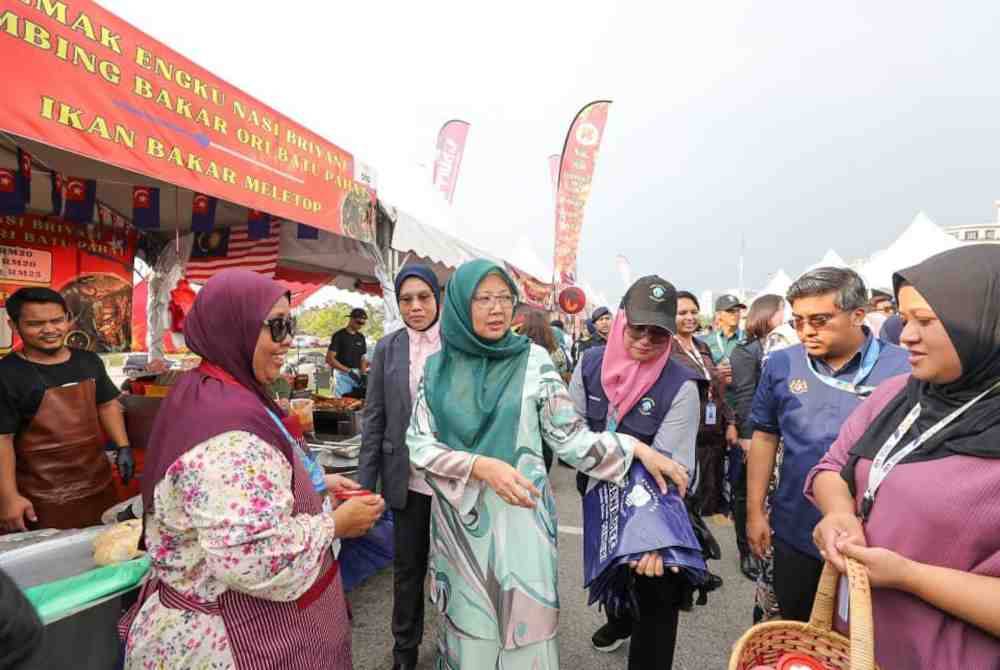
(778, 284)
(830, 259)
(922, 239)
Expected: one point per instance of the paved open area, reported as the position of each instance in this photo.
(704, 641)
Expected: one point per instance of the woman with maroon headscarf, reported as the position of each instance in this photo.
(243, 573)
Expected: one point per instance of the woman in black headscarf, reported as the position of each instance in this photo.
(919, 463)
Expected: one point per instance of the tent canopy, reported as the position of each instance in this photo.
(919, 241)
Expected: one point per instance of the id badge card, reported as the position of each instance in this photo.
(710, 413)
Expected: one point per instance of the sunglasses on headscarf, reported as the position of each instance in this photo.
(281, 327)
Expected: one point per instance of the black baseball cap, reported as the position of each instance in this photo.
(651, 301)
(358, 313)
(726, 302)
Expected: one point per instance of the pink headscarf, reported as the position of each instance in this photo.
(625, 380)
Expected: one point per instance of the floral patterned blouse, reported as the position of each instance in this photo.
(223, 520)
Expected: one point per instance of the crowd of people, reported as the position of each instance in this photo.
(832, 424)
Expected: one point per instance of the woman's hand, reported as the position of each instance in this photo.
(651, 565)
(886, 569)
(335, 483)
(510, 485)
(663, 468)
(356, 516)
(836, 528)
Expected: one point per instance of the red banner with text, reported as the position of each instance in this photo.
(576, 171)
(79, 78)
(450, 149)
(91, 266)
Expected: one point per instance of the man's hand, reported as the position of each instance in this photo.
(125, 461)
(759, 533)
(725, 372)
(732, 436)
(15, 512)
(510, 485)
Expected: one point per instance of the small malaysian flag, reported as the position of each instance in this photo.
(226, 248)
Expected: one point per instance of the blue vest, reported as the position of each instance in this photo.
(644, 420)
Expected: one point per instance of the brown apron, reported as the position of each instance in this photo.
(61, 466)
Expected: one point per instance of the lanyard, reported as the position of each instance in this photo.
(696, 357)
(883, 463)
(855, 386)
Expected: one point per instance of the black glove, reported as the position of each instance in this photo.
(126, 464)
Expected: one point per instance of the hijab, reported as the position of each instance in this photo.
(625, 380)
(222, 327)
(474, 386)
(427, 276)
(962, 286)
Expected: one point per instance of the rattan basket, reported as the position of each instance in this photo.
(765, 643)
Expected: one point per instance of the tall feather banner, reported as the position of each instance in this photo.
(576, 171)
(450, 149)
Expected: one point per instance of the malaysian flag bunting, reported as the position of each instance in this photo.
(79, 199)
(226, 248)
(203, 213)
(307, 232)
(11, 197)
(24, 174)
(258, 224)
(146, 207)
(57, 193)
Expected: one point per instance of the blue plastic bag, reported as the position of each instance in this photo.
(621, 523)
(362, 557)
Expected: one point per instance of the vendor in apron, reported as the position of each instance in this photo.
(54, 401)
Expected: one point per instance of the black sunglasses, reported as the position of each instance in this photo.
(281, 327)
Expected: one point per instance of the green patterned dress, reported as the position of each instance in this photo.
(493, 566)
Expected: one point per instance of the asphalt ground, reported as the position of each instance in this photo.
(704, 640)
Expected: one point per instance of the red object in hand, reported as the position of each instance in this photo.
(355, 493)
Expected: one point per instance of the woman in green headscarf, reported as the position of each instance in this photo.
(487, 402)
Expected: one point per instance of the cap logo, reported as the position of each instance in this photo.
(657, 292)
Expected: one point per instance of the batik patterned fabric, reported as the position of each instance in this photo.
(493, 567)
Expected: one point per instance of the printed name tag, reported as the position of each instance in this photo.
(710, 414)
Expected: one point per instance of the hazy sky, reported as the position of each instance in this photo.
(801, 125)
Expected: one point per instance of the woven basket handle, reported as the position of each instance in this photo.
(862, 628)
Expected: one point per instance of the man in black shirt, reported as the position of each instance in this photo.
(346, 354)
(54, 401)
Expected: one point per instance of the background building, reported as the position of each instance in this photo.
(978, 232)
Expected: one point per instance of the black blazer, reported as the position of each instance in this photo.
(746, 361)
(385, 420)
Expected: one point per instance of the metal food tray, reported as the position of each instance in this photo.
(348, 448)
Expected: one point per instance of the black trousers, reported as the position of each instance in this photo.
(796, 577)
(412, 537)
(740, 510)
(654, 633)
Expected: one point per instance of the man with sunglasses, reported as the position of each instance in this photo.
(346, 355)
(55, 403)
(806, 392)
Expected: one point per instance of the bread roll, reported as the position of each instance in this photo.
(118, 543)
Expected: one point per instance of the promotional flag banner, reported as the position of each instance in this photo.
(576, 171)
(554, 174)
(203, 213)
(450, 148)
(79, 199)
(146, 207)
(307, 232)
(532, 291)
(11, 197)
(24, 174)
(258, 224)
(225, 248)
